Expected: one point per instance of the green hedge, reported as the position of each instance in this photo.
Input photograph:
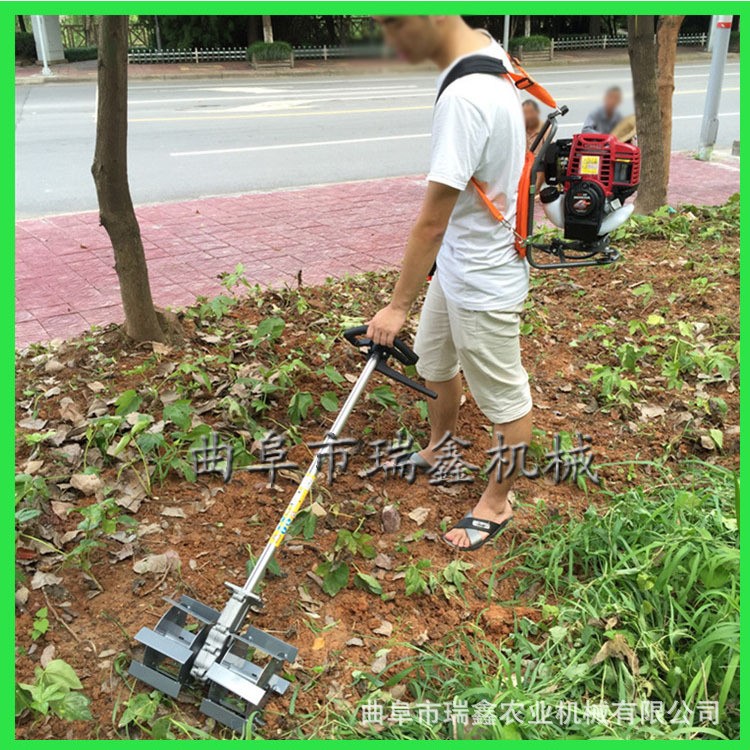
(529, 43)
(269, 51)
(734, 41)
(25, 46)
(78, 54)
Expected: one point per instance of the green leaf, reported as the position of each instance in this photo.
(333, 374)
(718, 437)
(383, 395)
(368, 583)
(140, 707)
(270, 328)
(61, 673)
(557, 633)
(26, 514)
(73, 707)
(329, 401)
(414, 582)
(127, 402)
(299, 406)
(179, 413)
(335, 576)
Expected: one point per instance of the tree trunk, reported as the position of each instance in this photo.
(157, 33)
(667, 31)
(21, 24)
(110, 174)
(527, 25)
(652, 192)
(267, 29)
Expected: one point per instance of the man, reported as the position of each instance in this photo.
(532, 121)
(604, 118)
(470, 318)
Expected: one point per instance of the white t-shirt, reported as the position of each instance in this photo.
(478, 130)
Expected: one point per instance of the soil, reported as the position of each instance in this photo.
(93, 629)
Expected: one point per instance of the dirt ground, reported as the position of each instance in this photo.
(208, 523)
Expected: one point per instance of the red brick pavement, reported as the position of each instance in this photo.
(65, 280)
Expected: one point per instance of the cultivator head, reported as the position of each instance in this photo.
(171, 647)
(238, 687)
(242, 669)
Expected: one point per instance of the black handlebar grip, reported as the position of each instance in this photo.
(399, 351)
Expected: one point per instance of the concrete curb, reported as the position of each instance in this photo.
(395, 69)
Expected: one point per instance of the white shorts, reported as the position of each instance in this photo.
(484, 344)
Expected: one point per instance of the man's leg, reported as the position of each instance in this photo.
(442, 412)
(493, 505)
(489, 350)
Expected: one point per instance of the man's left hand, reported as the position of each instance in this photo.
(385, 325)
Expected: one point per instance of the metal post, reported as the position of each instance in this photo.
(506, 32)
(710, 125)
(42, 32)
(710, 43)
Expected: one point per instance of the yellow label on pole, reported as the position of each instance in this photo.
(590, 164)
(291, 510)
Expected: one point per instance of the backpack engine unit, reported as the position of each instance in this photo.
(588, 178)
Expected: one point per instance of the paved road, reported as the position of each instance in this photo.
(188, 140)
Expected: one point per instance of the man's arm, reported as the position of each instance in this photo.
(421, 250)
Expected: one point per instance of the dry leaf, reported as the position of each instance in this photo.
(419, 515)
(88, 484)
(32, 424)
(32, 467)
(69, 411)
(380, 663)
(650, 411)
(160, 348)
(22, 596)
(617, 647)
(53, 365)
(163, 563)
(318, 643)
(174, 512)
(355, 642)
(47, 656)
(384, 561)
(318, 510)
(385, 628)
(61, 509)
(123, 553)
(44, 579)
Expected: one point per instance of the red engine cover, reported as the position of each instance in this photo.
(602, 158)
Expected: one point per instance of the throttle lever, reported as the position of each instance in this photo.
(399, 351)
(403, 379)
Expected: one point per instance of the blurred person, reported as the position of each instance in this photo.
(603, 119)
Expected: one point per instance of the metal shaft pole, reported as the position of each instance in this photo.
(38, 21)
(506, 32)
(294, 504)
(236, 609)
(710, 125)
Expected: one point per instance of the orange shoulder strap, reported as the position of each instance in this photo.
(525, 82)
(520, 231)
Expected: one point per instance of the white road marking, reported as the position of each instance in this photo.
(308, 144)
(277, 147)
